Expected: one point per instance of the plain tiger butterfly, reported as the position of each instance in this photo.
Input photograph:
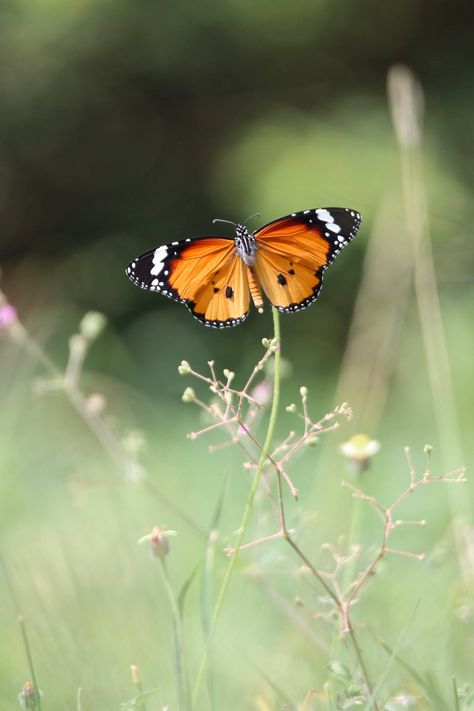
(215, 276)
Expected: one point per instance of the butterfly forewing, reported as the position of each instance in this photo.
(223, 300)
(293, 252)
(205, 274)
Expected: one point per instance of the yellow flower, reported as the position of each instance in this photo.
(359, 450)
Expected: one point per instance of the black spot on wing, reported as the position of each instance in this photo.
(292, 308)
(229, 292)
(281, 279)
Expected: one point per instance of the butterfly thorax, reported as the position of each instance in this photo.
(245, 245)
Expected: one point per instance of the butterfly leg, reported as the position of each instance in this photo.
(255, 290)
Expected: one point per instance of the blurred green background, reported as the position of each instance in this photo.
(126, 125)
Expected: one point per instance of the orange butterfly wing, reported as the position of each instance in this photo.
(204, 273)
(294, 251)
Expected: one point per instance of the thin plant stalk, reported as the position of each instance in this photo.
(21, 622)
(406, 101)
(36, 697)
(181, 679)
(248, 508)
(338, 602)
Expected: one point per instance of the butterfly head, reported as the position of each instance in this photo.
(245, 245)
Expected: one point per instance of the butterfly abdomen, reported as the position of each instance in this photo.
(255, 292)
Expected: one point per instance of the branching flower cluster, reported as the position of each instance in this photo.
(237, 412)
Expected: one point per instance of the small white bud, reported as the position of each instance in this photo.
(184, 368)
(229, 374)
(92, 324)
(189, 395)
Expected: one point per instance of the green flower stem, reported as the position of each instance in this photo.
(24, 635)
(37, 695)
(247, 511)
(181, 681)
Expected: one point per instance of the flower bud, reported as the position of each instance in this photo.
(291, 408)
(159, 544)
(8, 315)
(262, 392)
(95, 403)
(304, 391)
(158, 541)
(189, 395)
(184, 368)
(92, 325)
(29, 696)
(229, 374)
(359, 450)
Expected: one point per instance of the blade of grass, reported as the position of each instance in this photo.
(24, 635)
(456, 695)
(282, 697)
(427, 684)
(392, 658)
(406, 100)
(207, 579)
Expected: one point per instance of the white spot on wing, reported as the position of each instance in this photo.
(158, 258)
(333, 227)
(324, 215)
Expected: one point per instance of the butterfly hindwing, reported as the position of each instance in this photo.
(203, 273)
(294, 251)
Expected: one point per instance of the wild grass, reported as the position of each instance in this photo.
(320, 596)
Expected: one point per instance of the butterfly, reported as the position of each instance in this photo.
(216, 276)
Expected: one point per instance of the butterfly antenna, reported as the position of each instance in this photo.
(218, 219)
(255, 214)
